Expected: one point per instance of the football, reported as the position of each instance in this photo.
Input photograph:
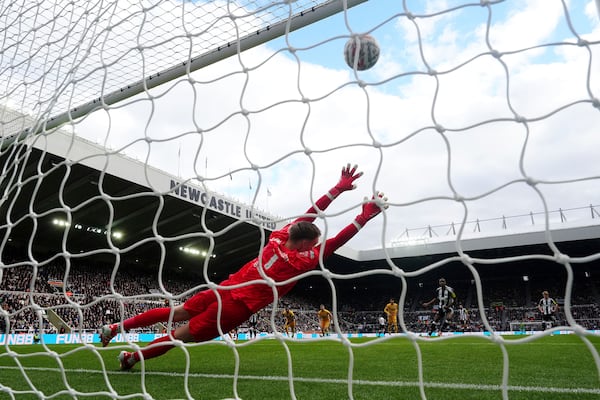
(361, 51)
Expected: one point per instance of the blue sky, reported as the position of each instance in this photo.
(367, 16)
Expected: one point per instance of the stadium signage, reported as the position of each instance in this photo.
(16, 339)
(218, 203)
(71, 338)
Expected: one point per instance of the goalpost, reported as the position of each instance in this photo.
(193, 46)
(245, 110)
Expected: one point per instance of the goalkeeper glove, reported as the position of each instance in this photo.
(370, 209)
(346, 182)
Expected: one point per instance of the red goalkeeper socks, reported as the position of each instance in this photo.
(147, 318)
(155, 348)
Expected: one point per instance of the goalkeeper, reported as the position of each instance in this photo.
(290, 251)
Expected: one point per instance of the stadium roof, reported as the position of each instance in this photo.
(64, 178)
(533, 235)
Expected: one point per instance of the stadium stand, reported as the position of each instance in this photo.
(509, 302)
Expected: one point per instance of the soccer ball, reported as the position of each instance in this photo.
(363, 49)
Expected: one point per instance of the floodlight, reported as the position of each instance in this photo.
(60, 222)
(190, 250)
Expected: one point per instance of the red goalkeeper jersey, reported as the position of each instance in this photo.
(278, 263)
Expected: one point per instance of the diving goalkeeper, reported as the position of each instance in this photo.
(290, 251)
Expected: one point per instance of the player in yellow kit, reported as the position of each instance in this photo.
(290, 322)
(391, 310)
(325, 318)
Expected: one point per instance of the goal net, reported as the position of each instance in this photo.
(149, 148)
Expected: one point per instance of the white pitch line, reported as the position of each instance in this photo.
(462, 386)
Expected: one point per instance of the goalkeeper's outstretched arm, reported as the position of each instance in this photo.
(370, 209)
(346, 182)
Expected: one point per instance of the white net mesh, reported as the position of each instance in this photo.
(62, 55)
(151, 131)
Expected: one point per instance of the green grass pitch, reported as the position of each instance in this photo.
(550, 367)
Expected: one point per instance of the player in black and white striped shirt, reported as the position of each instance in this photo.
(445, 298)
(463, 317)
(547, 307)
(253, 326)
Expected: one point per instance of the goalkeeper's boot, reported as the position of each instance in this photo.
(107, 332)
(127, 360)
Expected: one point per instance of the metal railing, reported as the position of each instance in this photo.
(503, 223)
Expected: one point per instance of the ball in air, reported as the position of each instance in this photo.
(362, 51)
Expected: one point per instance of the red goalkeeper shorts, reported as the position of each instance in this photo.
(203, 307)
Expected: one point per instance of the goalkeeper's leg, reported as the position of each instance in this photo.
(156, 348)
(147, 318)
(202, 327)
(196, 305)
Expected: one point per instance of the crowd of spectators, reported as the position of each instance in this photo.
(88, 296)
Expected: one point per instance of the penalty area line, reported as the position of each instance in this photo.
(441, 385)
